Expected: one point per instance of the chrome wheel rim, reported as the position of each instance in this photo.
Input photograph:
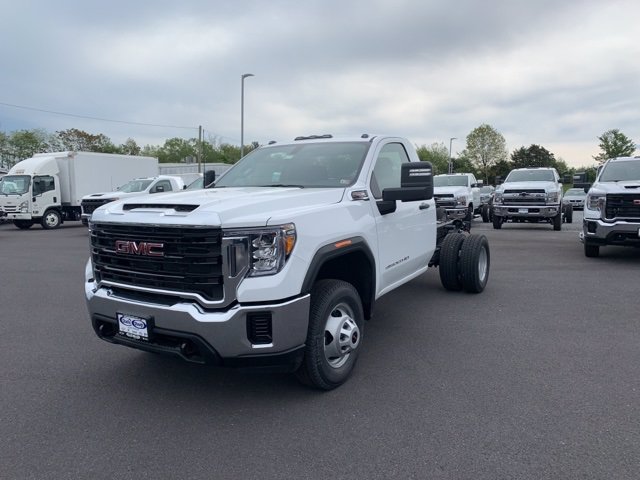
(483, 264)
(341, 335)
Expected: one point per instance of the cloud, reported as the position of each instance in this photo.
(554, 74)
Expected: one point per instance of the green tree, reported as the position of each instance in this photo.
(24, 144)
(437, 154)
(176, 150)
(532, 156)
(614, 143)
(500, 169)
(485, 147)
(77, 140)
(130, 147)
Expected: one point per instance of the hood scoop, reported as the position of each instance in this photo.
(160, 206)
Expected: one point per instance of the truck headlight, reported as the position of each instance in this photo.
(497, 197)
(552, 197)
(269, 247)
(461, 200)
(595, 201)
(24, 207)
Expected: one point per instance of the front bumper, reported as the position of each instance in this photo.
(18, 216)
(187, 330)
(623, 233)
(526, 211)
(84, 218)
(457, 213)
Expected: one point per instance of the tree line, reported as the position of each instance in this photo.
(485, 153)
(21, 144)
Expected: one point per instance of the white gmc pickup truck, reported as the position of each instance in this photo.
(612, 207)
(280, 263)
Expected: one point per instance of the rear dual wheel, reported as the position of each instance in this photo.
(464, 262)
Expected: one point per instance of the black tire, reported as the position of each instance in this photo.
(23, 224)
(591, 251)
(51, 219)
(557, 221)
(449, 260)
(485, 213)
(497, 222)
(336, 323)
(469, 216)
(568, 214)
(475, 261)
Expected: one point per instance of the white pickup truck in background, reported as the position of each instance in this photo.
(136, 187)
(458, 194)
(612, 207)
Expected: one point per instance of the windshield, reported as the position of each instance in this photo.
(135, 186)
(531, 176)
(450, 181)
(620, 171)
(316, 165)
(575, 192)
(15, 184)
(196, 184)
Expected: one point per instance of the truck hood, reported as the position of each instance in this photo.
(450, 190)
(627, 186)
(112, 195)
(548, 186)
(226, 207)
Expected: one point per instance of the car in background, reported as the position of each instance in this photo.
(575, 197)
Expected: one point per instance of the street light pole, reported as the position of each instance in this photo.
(451, 159)
(244, 75)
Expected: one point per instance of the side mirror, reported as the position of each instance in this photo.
(416, 183)
(209, 177)
(587, 186)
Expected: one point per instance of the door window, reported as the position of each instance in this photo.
(386, 172)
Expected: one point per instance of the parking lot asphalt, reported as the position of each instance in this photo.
(536, 378)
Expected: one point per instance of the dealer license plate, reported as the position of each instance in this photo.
(523, 210)
(133, 327)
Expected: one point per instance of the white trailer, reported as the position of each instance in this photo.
(48, 188)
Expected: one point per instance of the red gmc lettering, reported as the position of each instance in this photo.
(150, 249)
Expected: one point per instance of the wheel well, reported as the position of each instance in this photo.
(353, 267)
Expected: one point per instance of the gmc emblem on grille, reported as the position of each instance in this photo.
(149, 249)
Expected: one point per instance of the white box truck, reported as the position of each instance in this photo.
(48, 187)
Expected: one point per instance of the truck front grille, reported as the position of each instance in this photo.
(623, 205)
(445, 200)
(533, 196)
(175, 259)
(88, 206)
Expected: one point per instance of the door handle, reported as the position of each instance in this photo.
(424, 206)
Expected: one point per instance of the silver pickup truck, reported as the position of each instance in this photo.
(531, 195)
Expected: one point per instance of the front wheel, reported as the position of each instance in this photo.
(591, 251)
(557, 221)
(336, 323)
(51, 219)
(23, 224)
(485, 213)
(474, 263)
(497, 222)
(568, 214)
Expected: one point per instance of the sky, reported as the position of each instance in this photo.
(555, 74)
